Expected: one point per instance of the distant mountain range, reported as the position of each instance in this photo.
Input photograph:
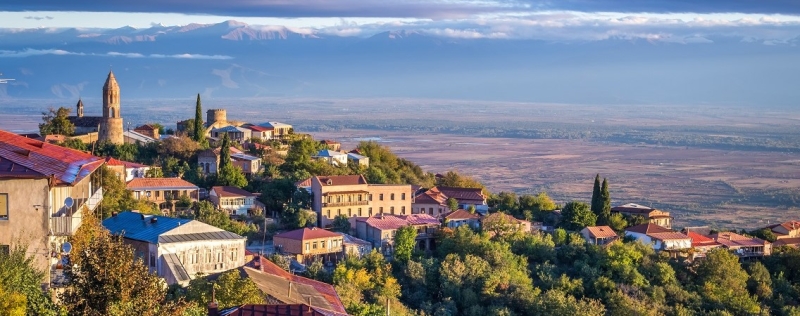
(233, 59)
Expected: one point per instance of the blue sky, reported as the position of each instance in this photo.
(684, 21)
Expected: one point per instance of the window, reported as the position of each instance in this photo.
(391, 197)
(430, 211)
(359, 197)
(370, 197)
(307, 247)
(4, 249)
(314, 245)
(391, 210)
(359, 212)
(152, 259)
(349, 212)
(380, 197)
(403, 210)
(370, 212)
(3, 206)
(380, 210)
(329, 199)
(338, 211)
(329, 213)
(403, 196)
(158, 193)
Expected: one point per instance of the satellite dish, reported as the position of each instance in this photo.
(66, 248)
(68, 202)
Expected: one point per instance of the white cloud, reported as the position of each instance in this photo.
(35, 52)
(40, 52)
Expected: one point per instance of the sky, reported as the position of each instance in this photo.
(685, 21)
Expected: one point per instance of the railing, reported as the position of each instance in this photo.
(69, 224)
(335, 204)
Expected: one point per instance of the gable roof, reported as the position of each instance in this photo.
(734, 240)
(792, 242)
(258, 128)
(274, 281)
(789, 226)
(227, 191)
(340, 180)
(160, 183)
(461, 193)
(146, 127)
(86, 121)
(163, 229)
(648, 229)
(111, 161)
(392, 222)
(668, 236)
(460, 214)
(278, 310)
(601, 232)
(699, 240)
(307, 233)
(22, 157)
(138, 136)
(329, 153)
(303, 183)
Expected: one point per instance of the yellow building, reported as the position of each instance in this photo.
(352, 196)
(307, 243)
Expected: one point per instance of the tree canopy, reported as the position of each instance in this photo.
(55, 121)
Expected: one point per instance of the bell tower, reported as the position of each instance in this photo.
(111, 128)
(79, 110)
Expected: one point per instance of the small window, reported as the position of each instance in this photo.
(329, 213)
(314, 245)
(403, 210)
(307, 246)
(3, 206)
(391, 210)
(359, 197)
(349, 212)
(380, 197)
(391, 196)
(403, 196)
(322, 244)
(152, 259)
(380, 210)
(370, 197)
(359, 212)
(370, 212)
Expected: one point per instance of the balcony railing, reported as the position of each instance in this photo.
(335, 204)
(69, 223)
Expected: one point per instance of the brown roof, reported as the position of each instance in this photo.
(146, 127)
(303, 183)
(734, 240)
(225, 191)
(30, 158)
(601, 232)
(461, 214)
(790, 225)
(341, 180)
(308, 233)
(278, 310)
(461, 193)
(127, 164)
(321, 294)
(392, 222)
(792, 242)
(159, 183)
(648, 229)
(668, 236)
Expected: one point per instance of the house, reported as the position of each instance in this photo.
(461, 217)
(352, 196)
(501, 223)
(126, 170)
(434, 201)
(599, 235)
(790, 229)
(279, 130)
(355, 246)
(380, 230)
(358, 159)
(247, 163)
(273, 310)
(653, 216)
(660, 238)
(178, 249)
(336, 158)
(148, 130)
(259, 132)
(701, 243)
(309, 243)
(282, 287)
(742, 246)
(235, 133)
(45, 190)
(234, 200)
(787, 242)
(132, 137)
(331, 145)
(208, 160)
(162, 190)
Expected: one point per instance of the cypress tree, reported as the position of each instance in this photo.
(199, 135)
(605, 203)
(596, 205)
(225, 152)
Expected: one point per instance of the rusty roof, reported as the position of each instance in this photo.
(228, 191)
(308, 233)
(672, 235)
(278, 310)
(392, 222)
(601, 232)
(26, 157)
(322, 295)
(160, 183)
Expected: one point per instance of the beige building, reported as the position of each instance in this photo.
(381, 229)
(45, 190)
(178, 249)
(599, 235)
(208, 161)
(148, 130)
(162, 190)
(653, 216)
(234, 200)
(434, 201)
(126, 170)
(279, 130)
(309, 243)
(352, 196)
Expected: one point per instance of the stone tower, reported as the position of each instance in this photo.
(79, 111)
(111, 128)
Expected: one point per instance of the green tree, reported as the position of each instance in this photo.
(296, 217)
(341, 224)
(55, 121)
(206, 213)
(577, 215)
(405, 240)
(724, 283)
(228, 174)
(199, 131)
(760, 282)
(605, 203)
(111, 280)
(13, 303)
(452, 204)
(316, 270)
(597, 205)
(74, 143)
(617, 222)
(230, 287)
(154, 172)
(21, 283)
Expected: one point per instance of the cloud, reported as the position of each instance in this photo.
(37, 52)
(438, 9)
(38, 18)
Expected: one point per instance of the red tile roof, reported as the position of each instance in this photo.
(341, 180)
(699, 240)
(668, 236)
(392, 222)
(601, 232)
(308, 233)
(461, 214)
(224, 191)
(26, 157)
(278, 310)
(324, 290)
(734, 240)
(127, 164)
(259, 128)
(792, 242)
(146, 127)
(160, 183)
(475, 194)
(648, 229)
(303, 184)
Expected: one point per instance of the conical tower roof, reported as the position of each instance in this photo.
(111, 82)
(80, 103)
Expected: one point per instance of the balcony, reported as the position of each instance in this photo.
(69, 222)
(338, 204)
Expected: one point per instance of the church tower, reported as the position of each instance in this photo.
(111, 128)
(79, 112)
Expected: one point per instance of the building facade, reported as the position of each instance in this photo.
(352, 196)
(307, 244)
(653, 216)
(162, 190)
(111, 129)
(381, 229)
(234, 200)
(434, 201)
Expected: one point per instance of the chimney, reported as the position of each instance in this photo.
(153, 220)
(213, 308)
(289, 293)
(113, 214)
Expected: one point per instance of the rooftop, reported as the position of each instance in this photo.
(160, 183)
(601, 232)
(330, 153)
(138, 136)
(461, 193)
(111, 161)
(156, 229)
(275, 281)
(340, 180)
(700, 240)
(392, 222)
(308, 233)
(734, 240)
(649, 229)
(22, 157)
(461, 214)
(225, 191)
(275, 125)
(278, 310)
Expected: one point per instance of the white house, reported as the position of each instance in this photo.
(234, 200)
(660, 238)
(178, 249)
(461, 217)
(332, 157)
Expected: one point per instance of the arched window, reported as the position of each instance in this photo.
(113, 112)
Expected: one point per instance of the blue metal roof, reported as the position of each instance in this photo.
(138, 226)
